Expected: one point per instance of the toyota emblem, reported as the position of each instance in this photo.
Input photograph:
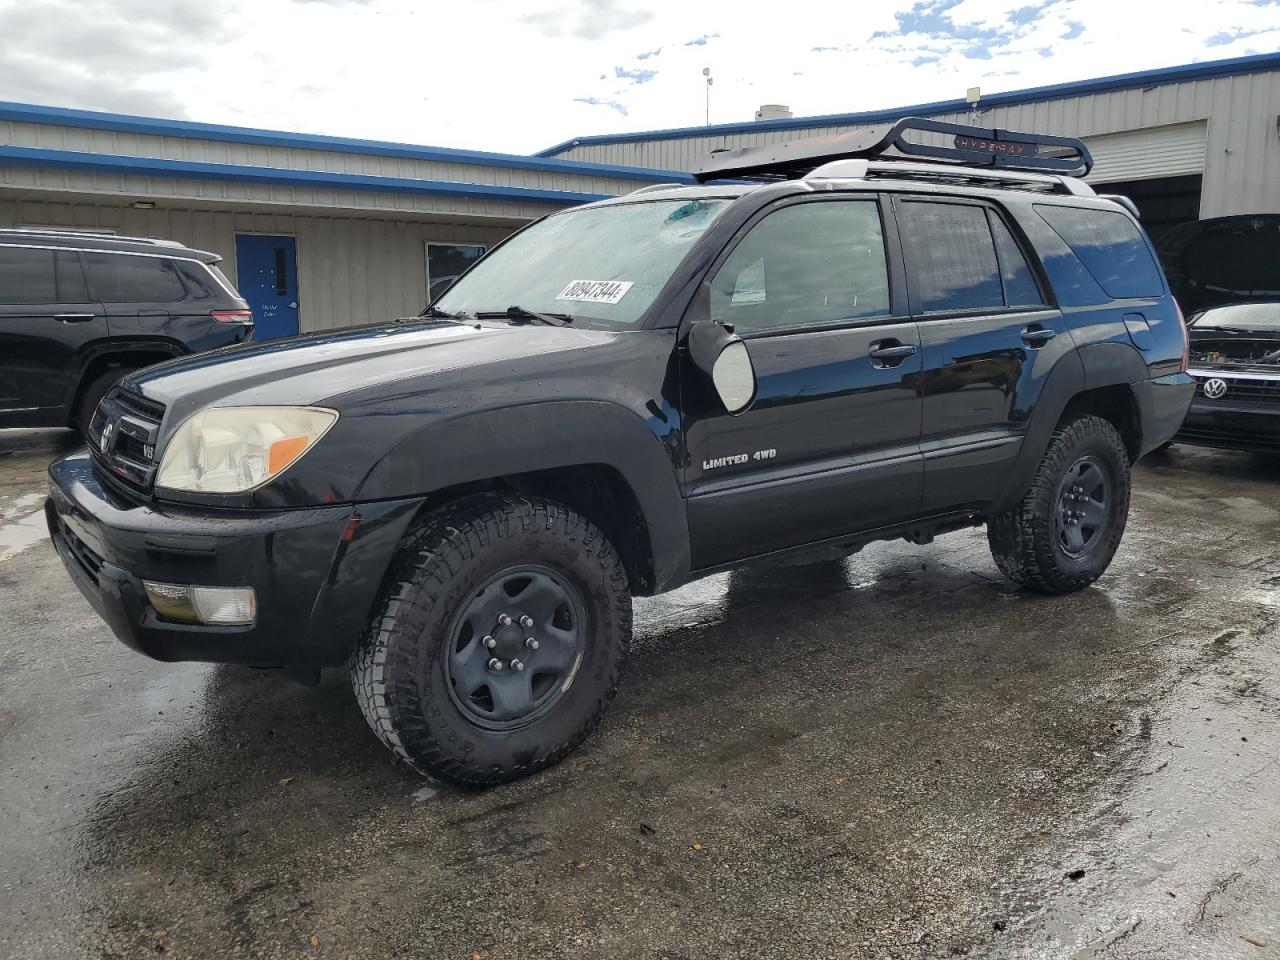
(1215, 389)
(105, 440)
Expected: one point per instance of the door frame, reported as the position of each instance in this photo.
(297, 259)
(895, 263)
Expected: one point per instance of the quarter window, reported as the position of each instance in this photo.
(1111, 247)
(27, 276)
(116, 278)
(808, 263)
(952, 257)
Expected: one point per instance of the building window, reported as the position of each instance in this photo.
(446, 262)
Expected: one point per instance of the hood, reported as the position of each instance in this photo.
(1223, 260)
(317, 370)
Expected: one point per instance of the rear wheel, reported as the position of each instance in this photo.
(498, 642)
(1063, 534)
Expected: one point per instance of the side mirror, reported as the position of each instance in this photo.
(723, 359)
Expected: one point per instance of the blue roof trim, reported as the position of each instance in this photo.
(1079, 88)
(187, 169)
(149, 126)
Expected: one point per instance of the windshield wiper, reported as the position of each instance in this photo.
(518, 314)
(435, 313)
(1216, 329)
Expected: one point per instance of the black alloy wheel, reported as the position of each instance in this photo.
(516, 647)
(1084, 500)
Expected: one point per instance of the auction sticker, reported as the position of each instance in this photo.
(596, 291)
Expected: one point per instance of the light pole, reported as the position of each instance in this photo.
(706, 72)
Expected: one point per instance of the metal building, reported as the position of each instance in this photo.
(1186, 142)
(317, 232)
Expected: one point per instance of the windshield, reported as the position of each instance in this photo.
(1246, 316)
(600, 263)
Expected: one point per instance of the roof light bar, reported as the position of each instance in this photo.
(973, 146)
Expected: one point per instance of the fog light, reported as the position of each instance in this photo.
(212, 605)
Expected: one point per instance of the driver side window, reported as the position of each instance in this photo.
(809, 263)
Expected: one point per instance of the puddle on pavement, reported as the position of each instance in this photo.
(22, 533)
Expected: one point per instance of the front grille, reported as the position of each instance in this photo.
(1241, 390)
(140, 405)
(122, 440)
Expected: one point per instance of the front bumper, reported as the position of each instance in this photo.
(1232, 426)
(315, 572)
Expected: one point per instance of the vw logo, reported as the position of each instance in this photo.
(1215, 389)
(105, 440)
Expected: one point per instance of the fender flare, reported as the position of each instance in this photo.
(1088, 368)
(479, 446)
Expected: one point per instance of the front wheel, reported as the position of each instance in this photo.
(498, 642)
(1063, 534)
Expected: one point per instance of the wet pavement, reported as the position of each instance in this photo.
(899, 755)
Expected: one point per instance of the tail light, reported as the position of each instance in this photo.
(233, 316)
(1186, 339)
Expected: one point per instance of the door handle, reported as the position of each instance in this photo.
(1037, 336)
(890, 353)
(294, 305)
(73, 317)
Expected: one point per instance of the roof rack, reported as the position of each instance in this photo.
(649, 188)
(971, 146)
(90, 235)
(892, 169)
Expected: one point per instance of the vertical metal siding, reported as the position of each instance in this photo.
(108, 142)
(1241, 147)
(350, 270)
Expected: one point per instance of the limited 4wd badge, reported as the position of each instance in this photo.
(596, 291)
(715, 463)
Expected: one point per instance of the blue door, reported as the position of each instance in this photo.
(267, 275)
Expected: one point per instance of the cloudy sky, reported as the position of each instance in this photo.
(520, 75)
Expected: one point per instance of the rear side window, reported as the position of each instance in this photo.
(116, 278)
(952, 256)
(1020, 287)
(27, 276)
(1111, 247)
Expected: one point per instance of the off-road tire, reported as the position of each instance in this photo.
(398, 671)
(92, 395)
(1023, 540)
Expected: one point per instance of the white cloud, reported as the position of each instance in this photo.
(518, 75)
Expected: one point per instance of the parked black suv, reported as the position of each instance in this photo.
(79, 310)
(623, 397)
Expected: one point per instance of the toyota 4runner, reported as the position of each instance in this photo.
(839, 345)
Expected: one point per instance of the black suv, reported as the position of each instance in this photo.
(626, 396)
(79, 310)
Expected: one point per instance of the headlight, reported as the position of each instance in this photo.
(234, 449)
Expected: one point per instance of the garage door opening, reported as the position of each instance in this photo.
(1164, 202)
